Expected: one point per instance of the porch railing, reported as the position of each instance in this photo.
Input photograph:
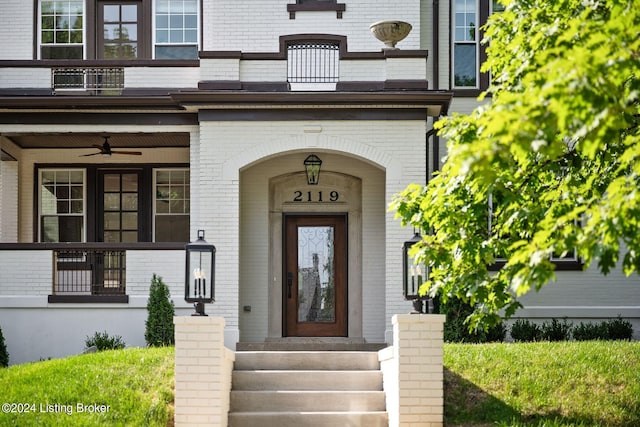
(95, 80)
(89, 272)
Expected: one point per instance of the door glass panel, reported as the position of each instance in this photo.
(129, 182)
(130, 220)
(111, 13)
(111, 220)
(112, 202)
(112, 182)
(316, 279)
(130, 201)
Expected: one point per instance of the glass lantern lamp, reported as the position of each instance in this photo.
(414, 274)
(199, 284)
(312, 168)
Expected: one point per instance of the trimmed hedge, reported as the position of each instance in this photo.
(523, 330)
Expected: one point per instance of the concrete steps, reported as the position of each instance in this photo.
(307, 388)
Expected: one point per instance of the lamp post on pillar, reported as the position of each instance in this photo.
(414, 274)
(199, 284)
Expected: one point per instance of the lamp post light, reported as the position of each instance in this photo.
(199, 284)
(312, 168)
(414, 274)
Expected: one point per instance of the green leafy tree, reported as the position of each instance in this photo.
(4, 354)
(550, 165)
(159, 329)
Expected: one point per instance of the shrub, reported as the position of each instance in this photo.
(556, 330)
(525, 331)
(456, 330)
(619, 329)
(102, 341)
(614, 329)
(159, 325)
(4, 354)
(590, 331)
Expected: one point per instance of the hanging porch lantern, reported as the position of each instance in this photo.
(414, 274)
(199, 285)
(312, 168)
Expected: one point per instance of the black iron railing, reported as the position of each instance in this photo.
(89, 272)
(94, 80)
(313, 62)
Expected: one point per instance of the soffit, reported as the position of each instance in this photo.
(88, 140)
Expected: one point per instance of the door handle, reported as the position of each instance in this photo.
(289, 283)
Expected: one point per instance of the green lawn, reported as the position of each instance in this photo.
(543, 384)
(539, 384)
(134, 385)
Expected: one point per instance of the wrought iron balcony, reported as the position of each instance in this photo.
(92, 80)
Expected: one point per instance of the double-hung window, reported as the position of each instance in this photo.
(467, 51)
(171, 205)
(61, 29)
(176, 29)
(118, 29)
(62, 205)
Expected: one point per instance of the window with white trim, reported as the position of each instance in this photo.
(61, 29)
(176, 29)
(62, 205)
(465, 44)
(171, 205)
(467, 53)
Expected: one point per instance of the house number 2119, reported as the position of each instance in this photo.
(315, 196)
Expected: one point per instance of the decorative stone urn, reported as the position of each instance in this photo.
(390, 32)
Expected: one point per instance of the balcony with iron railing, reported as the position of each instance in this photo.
(311, 62)
(86, 272)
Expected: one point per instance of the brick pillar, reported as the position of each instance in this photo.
(413, 371)
(202, 371)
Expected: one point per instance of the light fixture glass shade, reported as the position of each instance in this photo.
(312, 168)
(199, 285)
(414, 273)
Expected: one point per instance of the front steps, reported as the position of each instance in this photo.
(307, 388)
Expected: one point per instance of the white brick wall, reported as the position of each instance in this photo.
(25, 77)
(263, 71)
(362, 70)
(172, 77)
(18, 277)
(16, 29)
(406, 68)
(220, 69)
(227, 21)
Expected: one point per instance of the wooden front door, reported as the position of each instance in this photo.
(315, 276)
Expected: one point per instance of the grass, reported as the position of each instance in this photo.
(135, 384)
(593, 383)
(538, 384)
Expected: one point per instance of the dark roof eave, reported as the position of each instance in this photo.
(420, 99)
(178, 100)
(68, 102)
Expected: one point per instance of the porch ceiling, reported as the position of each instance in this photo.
(88, 140)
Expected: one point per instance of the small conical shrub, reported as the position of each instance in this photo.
(159, 324)
(4, 354)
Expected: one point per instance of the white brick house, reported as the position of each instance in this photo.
(210, 95)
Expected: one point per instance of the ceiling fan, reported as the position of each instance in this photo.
(105, 150)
